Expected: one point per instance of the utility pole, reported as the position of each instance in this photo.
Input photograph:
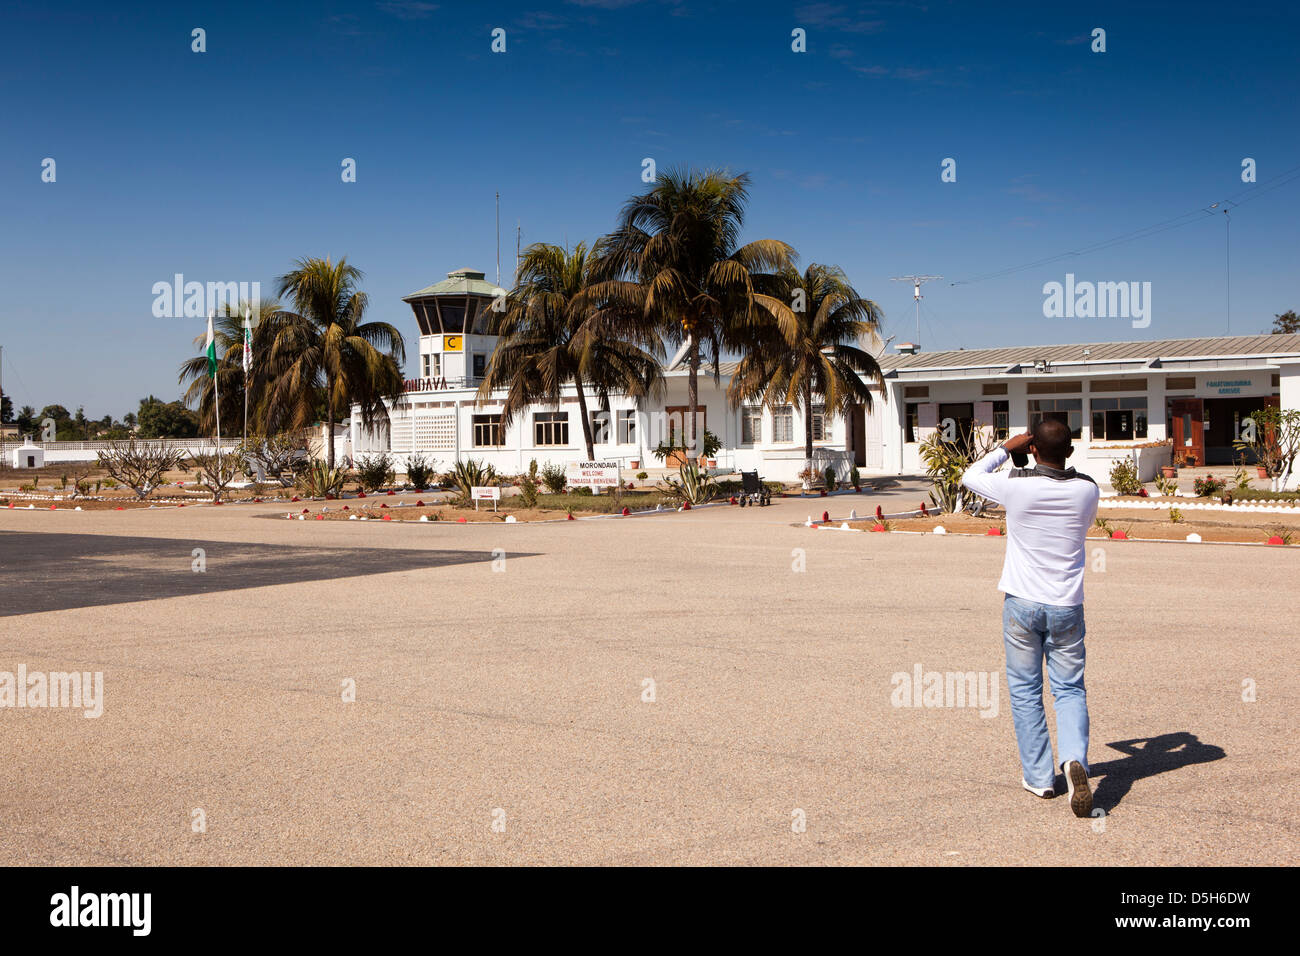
(916, 295)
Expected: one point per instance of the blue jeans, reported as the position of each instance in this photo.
(1030, 632)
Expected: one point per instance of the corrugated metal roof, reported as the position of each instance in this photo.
(458, 282)
(1098, 352)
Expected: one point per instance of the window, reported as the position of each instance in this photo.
(600, 427)
(1067, 410)
(1001, 419)
(488, 432)
(453, 316)
(751, 425)
(550, 428)
(909, 422)
(480, 364)
(1050, 387)
(1119, 419)
(1118, 385)
(430, 366)
(783, 423)
(627, 426)
(820, 429)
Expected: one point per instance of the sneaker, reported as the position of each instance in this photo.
(1045, 792)
(1076, 778)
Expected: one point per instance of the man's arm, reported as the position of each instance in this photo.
(981, 477)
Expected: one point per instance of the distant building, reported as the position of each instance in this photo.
(1117, 397)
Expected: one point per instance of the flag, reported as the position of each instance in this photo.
(248, 346)
(212, 351)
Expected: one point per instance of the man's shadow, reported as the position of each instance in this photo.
(1159, 755)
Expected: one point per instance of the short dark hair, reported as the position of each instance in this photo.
(1052, 438)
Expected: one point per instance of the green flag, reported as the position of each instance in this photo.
(212, 351)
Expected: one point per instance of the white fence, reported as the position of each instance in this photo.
(65, 451)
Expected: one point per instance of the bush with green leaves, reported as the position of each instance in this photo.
(642, 475)
(471, 473)
(528, 486)
(375, 472)
(829, 477)
(318, 480)
(1167, 487)
(1124, 477)
(419, 471)
(1208, 487)
(554, 477)
(691, 484)
(709, 446)
(945, 464)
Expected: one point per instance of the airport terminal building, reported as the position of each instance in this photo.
(1120, 399)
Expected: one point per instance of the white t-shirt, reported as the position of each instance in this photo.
(1049, 512)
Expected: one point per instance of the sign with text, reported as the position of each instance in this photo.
(492, 494)
(592, 474)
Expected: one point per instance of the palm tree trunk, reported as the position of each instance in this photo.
(329, 416)
(807, 425)
(586, 419)
(690, 440)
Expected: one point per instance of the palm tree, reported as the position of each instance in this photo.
(556, 331)
(675, 256)
(325, 343)
(228, 334)
(806, 345)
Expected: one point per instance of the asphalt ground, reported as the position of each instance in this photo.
(717, 687)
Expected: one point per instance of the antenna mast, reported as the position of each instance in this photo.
(498, 240)
(916, 294)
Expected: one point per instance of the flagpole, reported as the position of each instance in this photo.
(216, 402)
(247, 336)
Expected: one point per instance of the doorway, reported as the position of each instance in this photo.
(1187, 426)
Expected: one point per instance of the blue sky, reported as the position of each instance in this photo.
(225, 165)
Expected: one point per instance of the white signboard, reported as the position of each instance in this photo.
(492, 494)
(592, 474)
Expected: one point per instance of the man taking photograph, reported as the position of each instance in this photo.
(1049, 510)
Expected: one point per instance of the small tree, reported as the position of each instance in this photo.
(275, 454)
(947, 461)
(528, 486)
(1273, 436)
(419, 471)
(375, 471)
(139, 466)
(216, 472)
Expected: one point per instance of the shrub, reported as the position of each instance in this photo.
(642, 475)
(1208, 486)
(1175, 515)
(554, 478)
(375, 471)
(528, 485)
(829, 477)
(140, 467)
(946, 462)
(691, 485)
(1124, 477)
(855, 479)
(1287, 534)
(468, 474)
(1166, 486)
(318, 480)
(276, 455)
(419, 471)
(215, 471)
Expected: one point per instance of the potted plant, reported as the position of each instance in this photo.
(634, 463)
(1170, 470)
